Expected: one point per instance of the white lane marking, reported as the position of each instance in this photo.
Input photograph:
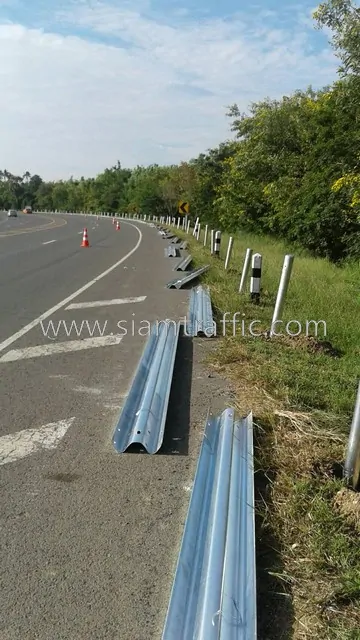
(104, 303)
(49, 241)
(6, 343)
(60, 347)
(21, 444)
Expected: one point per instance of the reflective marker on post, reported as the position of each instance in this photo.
(217, 243)
(255, 281)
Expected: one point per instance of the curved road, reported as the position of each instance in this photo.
(89, 538)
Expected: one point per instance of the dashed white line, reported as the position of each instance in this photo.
(104, 303)
(21, 444)
(49, 241)
(60, 347)
(6, 343)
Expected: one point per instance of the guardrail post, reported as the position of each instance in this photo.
(217, 244)
(245, 271)
(352, 462)
(229, 252)
(212, 242)
(206, 233)
(198, 232)
(282, 291)
(255, 281)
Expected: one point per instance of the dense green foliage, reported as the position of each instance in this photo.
(292, 170)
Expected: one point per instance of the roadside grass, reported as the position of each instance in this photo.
(302, 392)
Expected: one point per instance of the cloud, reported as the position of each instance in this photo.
(138, 88)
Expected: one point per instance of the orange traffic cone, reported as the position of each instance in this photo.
(85, 240)
(118, 226)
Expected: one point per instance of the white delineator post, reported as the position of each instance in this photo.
(196, 226)
(229, 252)
(188, 227)
(198, 232)
(217, 244)
(178, 223)
(255, 281)
(245, 271)
(352, 462)
(282, 291)
(206, 234)
(212, 241)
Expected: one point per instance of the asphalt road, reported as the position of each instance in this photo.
(89, 538)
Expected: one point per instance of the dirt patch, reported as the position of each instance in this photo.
(310, 344)
(347, 503)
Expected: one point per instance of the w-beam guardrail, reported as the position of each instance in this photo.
(172, 252)
(183, 245)
(143, 417)
(214, 591)
(183, 264)
(200, 316)
(179, 282)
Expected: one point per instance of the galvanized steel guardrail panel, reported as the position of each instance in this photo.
(200, 317)
(184, 245)
(214, 591)
(183, 264)
(143, 417)
(172, 252)
(179, 282)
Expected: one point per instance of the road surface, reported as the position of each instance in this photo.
(89, 538)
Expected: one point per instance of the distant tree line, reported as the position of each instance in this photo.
(293, 170)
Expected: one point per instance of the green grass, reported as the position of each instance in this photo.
(302, 392)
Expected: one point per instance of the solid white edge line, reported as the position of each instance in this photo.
(16, 446)
(6, 343)
(60, 347)
(104, 303)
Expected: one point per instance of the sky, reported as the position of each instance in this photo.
(87, 83)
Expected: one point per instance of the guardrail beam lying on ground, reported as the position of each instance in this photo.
(214, 591)
(183, 264)
(179, 282)
(200, 317)
(172, 252)
(143, 417)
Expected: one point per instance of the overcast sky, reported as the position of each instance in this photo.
(87, 83)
